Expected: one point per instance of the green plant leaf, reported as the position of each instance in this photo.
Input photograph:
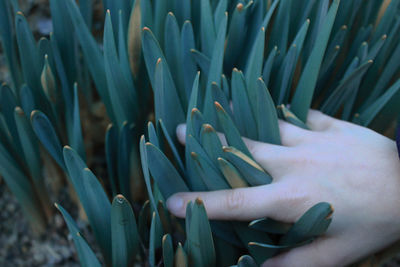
(200, 244)
(125, 147)
(253, 69)
(341, 93)
(305, 89)
(271, 226)
(22, 189)
(162, 82)
(120, 90)
(232, 134)
(163, 172)
(391, 95)
(312, 224)
(201, 60)
(124, 235)
(98, 210)
(246, 261)
(288, 116)
(231, 174)
(168, 251)
(250, 170)
(267, 123)
(244, 112)
(173, 55)
(266, 75)
(172, 146)
(8, 102)
(47, 135)
(92, 55)
(210, 175)
(93, 198)
(76, 136)
(180, 259)
(211, 143)
(188, 64)
(85, 253)
(215, 71)
(111, 147)
(208, 31)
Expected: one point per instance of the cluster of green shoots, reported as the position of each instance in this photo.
(228, 66)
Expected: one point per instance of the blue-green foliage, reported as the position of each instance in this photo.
(342, 58)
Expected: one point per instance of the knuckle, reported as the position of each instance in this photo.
(235, 200)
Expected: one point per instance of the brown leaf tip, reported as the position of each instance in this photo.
(146, 29)
(239, 7)
(199, 201)
(330, 213)
(19, 111)
(208, 128)
(218, 105)
(158, 61)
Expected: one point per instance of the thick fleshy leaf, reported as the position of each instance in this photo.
(85, 253)
(312, 224)
(180, 259)
(341, 93)
(267, 118)
(243, 110)
(76, 136)
(200, 244)
(231, 174)
(93, 198)
(231, 132)
(91, 53)
(172, 48)
(246, 261)
(215, 72)
(98, 210)
(211, 143)
(269, 225)
(208, 31)
(168, 251)
(250, 170)
(172, 146)
(120, 90)
(210, 175)
(111, 147)
(47, 135)
(188, 64)
(22, 189)
(391, 96)
(305, 89)
(125, 147)
(288, 116)
(201, 60)
(124, 235)
(163, 172)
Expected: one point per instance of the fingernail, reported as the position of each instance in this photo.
(175, 204)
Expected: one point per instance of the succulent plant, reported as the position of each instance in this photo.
(232, 67)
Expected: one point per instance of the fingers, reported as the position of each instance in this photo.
(318, 121)
(292, 135)
(242, 204)
(321, 252)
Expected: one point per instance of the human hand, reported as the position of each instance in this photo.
(354, 168)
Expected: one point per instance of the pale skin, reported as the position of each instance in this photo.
(354, 168)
